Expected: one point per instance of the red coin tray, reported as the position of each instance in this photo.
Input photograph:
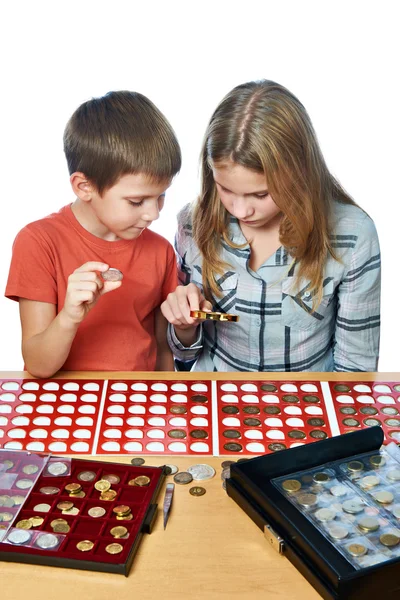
(83, 526)
(359, 405)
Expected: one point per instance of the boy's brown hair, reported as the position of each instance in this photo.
(118, 134)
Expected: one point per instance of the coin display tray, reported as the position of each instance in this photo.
(187, 417)
(293, 528)
(140, 500)
(259, 417)
(365, 404)
(343, 499)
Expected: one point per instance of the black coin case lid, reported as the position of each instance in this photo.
(92, 519)
(252, 484)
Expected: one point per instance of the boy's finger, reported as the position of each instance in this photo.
(92, 266)
(110, 286)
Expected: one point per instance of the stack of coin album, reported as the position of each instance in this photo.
(88, 515)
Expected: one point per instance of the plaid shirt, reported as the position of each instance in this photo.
(277, 330)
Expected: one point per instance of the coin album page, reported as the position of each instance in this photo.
(354, 503)
(74, 513)
(224, 417)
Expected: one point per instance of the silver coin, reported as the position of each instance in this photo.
(172, 469)
(394, 474)
(24, 484)
(19, 536)
(49, 489)
(30, 469)
(201, 472)
(47, 540)
(86, 476)
(137, 462)
(57, 468)
(325, 514)
(42, 507)
(353, 506)
(338, 532)
(396, 511)
(112, 275)
(226, 473)
(183, 478)
(339, 490)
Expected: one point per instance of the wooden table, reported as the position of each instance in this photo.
(210, 549)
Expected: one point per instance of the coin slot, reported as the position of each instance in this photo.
(385, 400)
(200, 447)
(270, 398)
(121, 398)
(19, 421)
(253, 434)
(159, 387)
(199, 422)
(293, 410)
(231, 422)
(345, 399)
(3, 421)
(137, 398)
(27, 397)
(158, 398)
(71, 386)
(158, 410)
(137, 421)
(231, 398)
(80, 447)
(67, 409)
(273, 422)
(296, 444)
(248, 387)
(57, 433)
(250, 398)
(87, 409)
(91, 386)
(139, 387)
(274, 434)
(7, 397)
(179, 387)
(382, 389)
(293, 422)
(178, 422)
(138, 433)
(89, 398)
(177, 447)
(23, 409)
(309, 387)
(88, 526)
(112, 447)
(30, 386)
(82, 434)
(181, 398)
(137, 409)
(289, 387)
(154, 447)
(199, 387)
(229, 387)
(119, 387)
(112, 433)
(84, 422)
(255, 447)
(365, 399)
(35, 446)
(18, 434)
(199, 410)
(68, 397)
(116, 410)
(313, 410)
(362, 388)
(60, 421)
(48, 397)
(10, 385)
(5, 409)
(58, 447)
(13, 446)
(135, 446)
(45, 421)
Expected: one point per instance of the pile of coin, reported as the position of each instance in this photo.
(119, 532)
(141, 480)
(10, 501)
(104, 487)
(75, 490)
(29, 523)
(60, 526)
(123, 512)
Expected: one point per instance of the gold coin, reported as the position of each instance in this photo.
(36, 521)
(307, 499)
(377, 460)
(127, 517)
(108, 496)
(61, 528)
(57, 521)
(73, 487)
(85, 545)
(24, 524)
(119, 531)
(384, 497)
(80, 494)
(369, 481)
(357, 549)
(65, 505)
(114, 548)
(142, 480)
(291, 485)
(368, 524)
(102, 485)
(197, 491)
(355, 466)
(321, 477)
(72, 511)
(389, 539)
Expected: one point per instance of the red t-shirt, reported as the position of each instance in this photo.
(118, 333)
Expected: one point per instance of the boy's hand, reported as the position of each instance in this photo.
(84, 289)
(176, 308)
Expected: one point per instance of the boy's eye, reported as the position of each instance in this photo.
(136, 203)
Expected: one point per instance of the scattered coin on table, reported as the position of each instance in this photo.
(183, 478)
(171, 469)
(201, 472)
(197, 491)
(136, 462)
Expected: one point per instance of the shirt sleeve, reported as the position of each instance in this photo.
(171, 274)
(32, 274)
(357, 331)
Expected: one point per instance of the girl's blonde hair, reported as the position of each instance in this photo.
(262, 126)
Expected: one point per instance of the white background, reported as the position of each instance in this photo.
(340, 58)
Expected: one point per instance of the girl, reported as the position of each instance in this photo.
(275, 239)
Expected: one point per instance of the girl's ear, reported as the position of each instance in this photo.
(82, 187)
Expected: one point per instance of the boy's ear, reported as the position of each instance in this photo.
(82, 187)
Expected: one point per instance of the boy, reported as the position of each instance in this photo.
(122, 155)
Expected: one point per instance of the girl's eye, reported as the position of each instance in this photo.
(261, 196)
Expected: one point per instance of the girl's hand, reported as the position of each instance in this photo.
(84, 289)
(176, 308)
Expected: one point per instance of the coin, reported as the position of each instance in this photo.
(6, 517)
(114, 548)
(57, 468)
(377, 460)
(55, 522)
(180, 410)
(49, 489)
(372, 422)
(347, 410)
(231, 410)
(119, 531)
(227, 463)
(136, 462)
(177, 434)
(65, 505)
(201, 472)
(42, 507)
(102, 485)
(389, 539)
(310, 398)
(73, 487)
(61, 528)
(231, 433)
(183, 478)
(393, 474)
(291, 485)
(46, 540)
(272, 410)
(71, 511)
(6, 501)
(97, 511)
(315, 422)
(350, 422)
(339, 490)
(233, 447)
(251, 410)
(199, 398)
(321, 477)
(108, 496)
(85, 545)
(80, 494)
(317, 434)
(384, 497)
(296, 434)
(226, 473)
(142, 481)
(18, 537)
(36, 521)
(306, 499)
(353, 506)
(276, 446)
(369, 481)
(307, 479)
(127, 517)
(392, 422)
(338, 532)
(24, 484)
(341, 387)
(396, 511)
(197, 491)
(389, 410)
(368, 524)
(121, 509)
(368, 410)
(268, 387)
(30, 469)
(325, 514)
(199, 434)
(24, 524)
(18, 500)
(252, 422)
(291, 398)
(111, 478)
(354, 466)
(112, 275)
(86, 476)
(172, 469)
(357, 549)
